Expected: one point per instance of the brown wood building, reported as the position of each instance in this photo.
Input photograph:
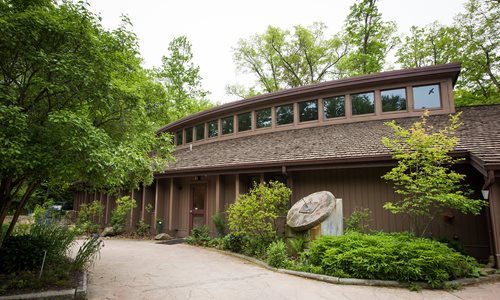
(325, 136)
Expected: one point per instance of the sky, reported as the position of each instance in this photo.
(214, 27)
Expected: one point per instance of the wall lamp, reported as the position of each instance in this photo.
(486, 194)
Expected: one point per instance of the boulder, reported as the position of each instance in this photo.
(163, 237)
(108, 231)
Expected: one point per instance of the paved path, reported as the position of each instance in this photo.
(145, 270)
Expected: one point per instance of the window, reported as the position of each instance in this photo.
(308, 111)
(178, 136)
(189, 135)
(284, 114)
(334, 107)
(263, 118)
(228, 125)
(427, 96)
(363, 103)
(200, 132)
(393, 100)
(213, 128)
(244, 121)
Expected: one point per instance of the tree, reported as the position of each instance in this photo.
(473, 40)
(369, 38)
(71, 104)
(182, 83)
(281, 59)
(480, 40)
(423, 175)
(433, 44)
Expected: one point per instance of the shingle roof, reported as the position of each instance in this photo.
(479, 135)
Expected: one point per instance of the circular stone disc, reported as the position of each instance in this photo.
(310, 211)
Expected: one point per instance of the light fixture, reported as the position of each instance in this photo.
(486, 194)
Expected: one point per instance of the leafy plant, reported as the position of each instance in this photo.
(119, 214)
(358, 221)
(220, 223)
(199, 236)
(149, 207)
(253, 214)
(276, 254)
(87, 254)
(142, 228)
(233, 242)
(296, 245)
(87, 216)
(398, 256)
(423, 175)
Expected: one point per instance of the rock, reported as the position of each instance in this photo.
(310, 211)
(108, 231)
(163, 237)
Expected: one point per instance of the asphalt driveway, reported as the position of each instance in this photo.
(146, 270)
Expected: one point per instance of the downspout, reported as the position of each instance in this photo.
(488, 181)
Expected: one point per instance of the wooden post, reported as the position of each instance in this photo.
(237, 186)
(217, 193)
(143, 201)
(171, 205)
(107, 209)
(157, 181)
(494, 199)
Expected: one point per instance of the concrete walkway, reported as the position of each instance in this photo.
(145, 270)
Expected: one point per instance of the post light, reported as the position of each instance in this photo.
(486, 194)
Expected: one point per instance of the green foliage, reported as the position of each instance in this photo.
(423, 175)
(72, 103)
(220, 223)
(217, 243)
(88, 214)
(472, 40)
(142, 228)
(180, 78)
(369, 38)
(277, 255)
(253, 214)
(358, 221)
(199, 236)
(26, 252)
(400, 256)
(87, 254)
(296, 245)
(118, 216)
(233, 242)
(281, 59)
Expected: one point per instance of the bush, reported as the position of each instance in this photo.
(296, 245)
(358, 221)
(87, 215)
(87, 254)
(233, 242)
(253, 214)
(220, 223)
(199, 236)
(276, 255)
(119, 214)
(398, 256)
(142, 228)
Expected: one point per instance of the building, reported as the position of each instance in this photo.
(325, 136)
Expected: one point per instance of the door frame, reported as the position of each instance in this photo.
(190, 210)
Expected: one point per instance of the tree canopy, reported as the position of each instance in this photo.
(182, 93)
(283, 59)
(73, 100)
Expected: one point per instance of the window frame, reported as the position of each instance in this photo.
(300, 110)
(427, 108)
(257, 118)
(222, 125)
(325, 118)
(276, 114)
(196, 132)
(353, 115)
(249, 113)
(393, 111)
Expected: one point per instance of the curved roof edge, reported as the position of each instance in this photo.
(452, 70)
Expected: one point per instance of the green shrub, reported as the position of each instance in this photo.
(87, 254)
(398, 256)
(142, 228)
(26, 252)
(88, 214)
(220, 223)
(199, 236)
(120, 213)
(233, 242)
(296, 245)
(276, 254)
(358, 221)
(253, 215)
(217, 243)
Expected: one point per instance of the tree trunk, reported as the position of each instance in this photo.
(27, 195)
